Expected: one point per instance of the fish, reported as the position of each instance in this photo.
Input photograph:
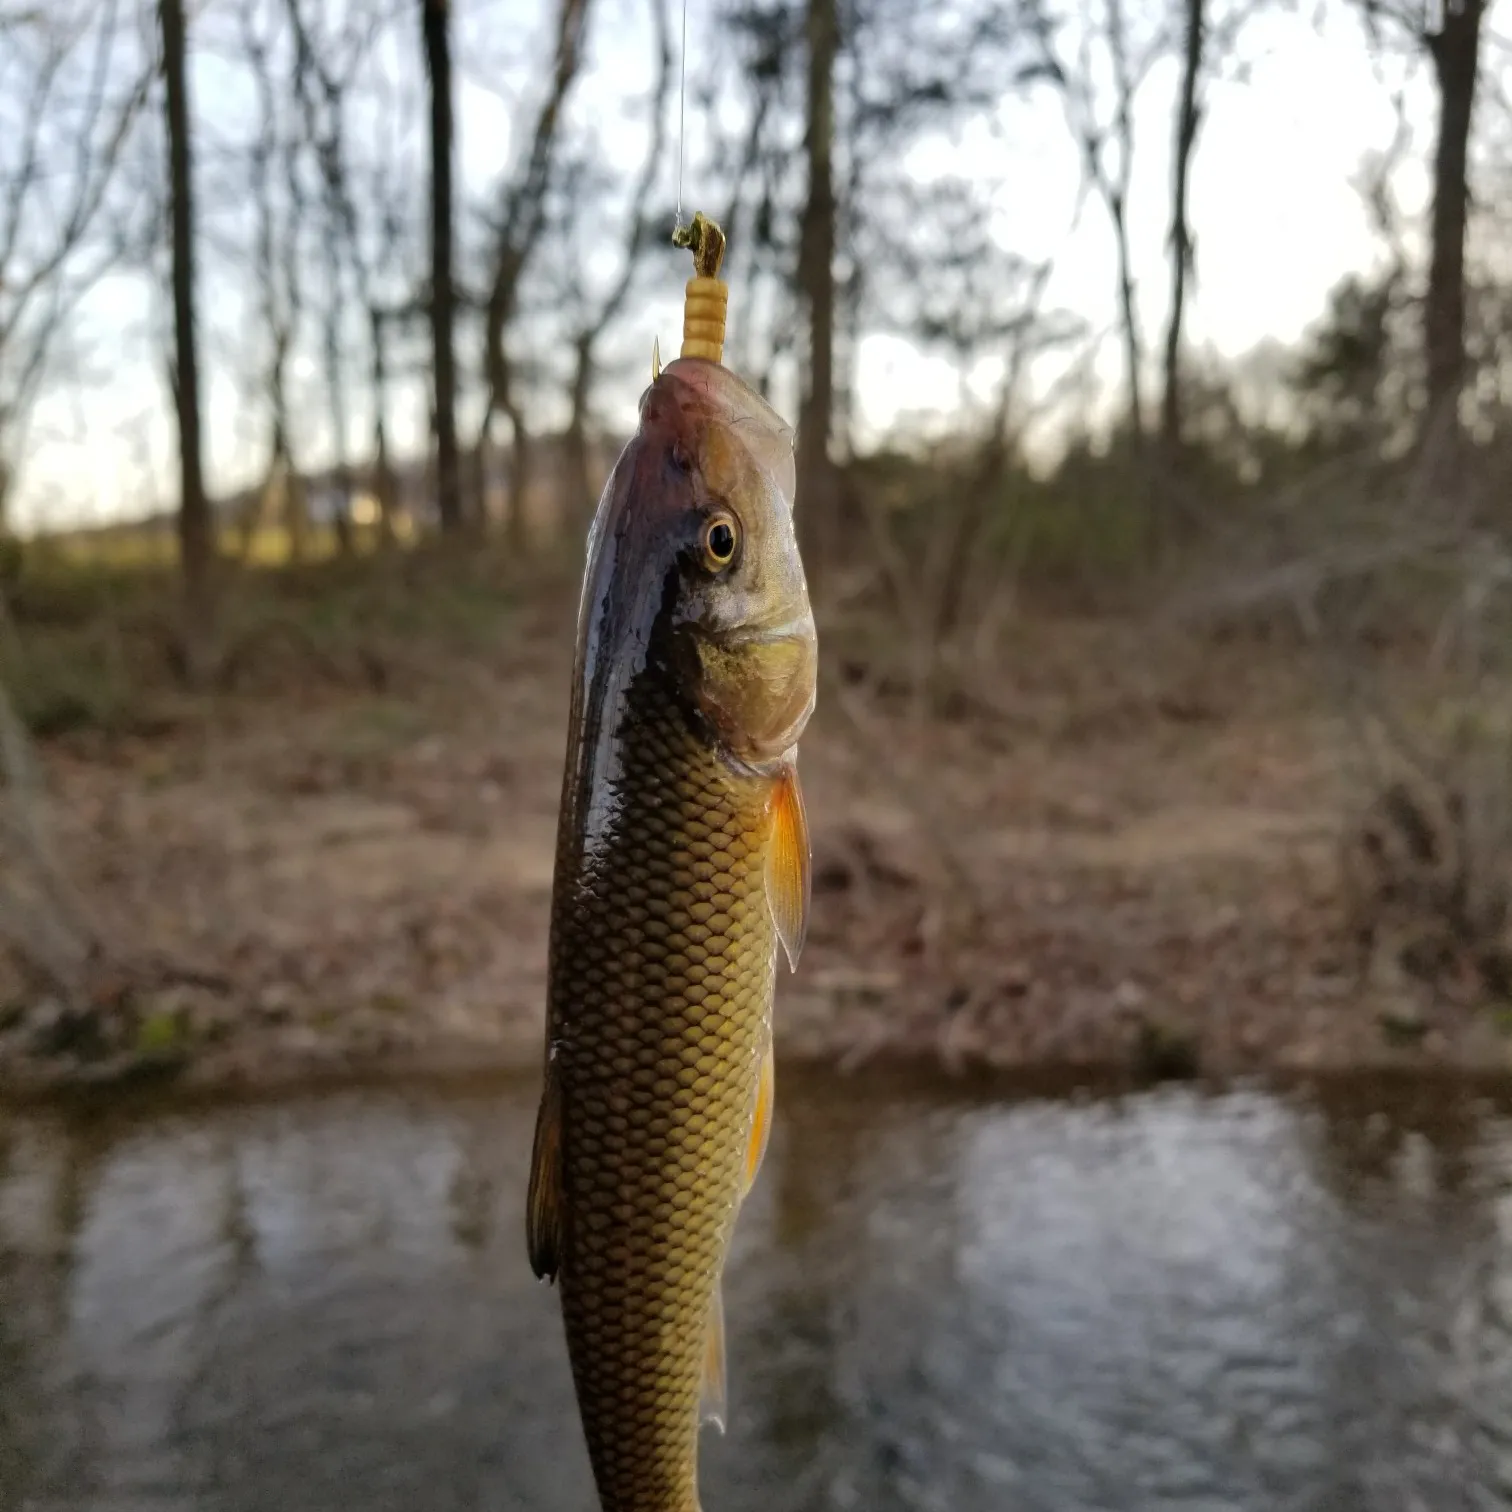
(682, 873)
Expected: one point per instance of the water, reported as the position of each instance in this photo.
(937, 1302)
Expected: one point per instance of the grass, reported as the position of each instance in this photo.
(154, 544)
(91, 635)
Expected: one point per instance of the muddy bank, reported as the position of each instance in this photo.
(1100, 865)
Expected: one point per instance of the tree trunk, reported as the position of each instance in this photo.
(341, 475)
(520, 459)
(435, 22)
(816, 280)
(475, 471)
(296, 512)
(577, 488)
(579, 504)
(522, 222)
(1455, 52)
(384, 485)
(1133, 353)
(268, 501)
(1187, 120)
(196, 541)
(283, 475)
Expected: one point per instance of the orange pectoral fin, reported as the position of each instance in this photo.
(788, 866)
(761, 1120)
(543, 1207)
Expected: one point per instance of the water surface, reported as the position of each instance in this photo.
(937, 1301)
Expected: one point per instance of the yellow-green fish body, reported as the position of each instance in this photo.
(682, 868)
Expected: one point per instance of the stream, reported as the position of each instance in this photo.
(942, 1298)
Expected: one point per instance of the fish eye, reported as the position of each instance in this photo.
(720, 538)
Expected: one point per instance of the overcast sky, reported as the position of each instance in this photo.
(1277, 223)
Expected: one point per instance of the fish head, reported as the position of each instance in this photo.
(693, 558)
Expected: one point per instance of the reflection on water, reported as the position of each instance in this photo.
(1160, 1302)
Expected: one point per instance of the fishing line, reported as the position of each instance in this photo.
(682, 112)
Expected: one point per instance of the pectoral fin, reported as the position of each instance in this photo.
(761, 1122)
(711, 1400)
(788, 866)
(543, 1209)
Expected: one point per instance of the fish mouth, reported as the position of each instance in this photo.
(799, 628)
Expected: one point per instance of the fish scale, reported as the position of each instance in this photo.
(683, 861)
(662, 968)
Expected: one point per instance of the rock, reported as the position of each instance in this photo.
(1016, 981)
(275, 1003)
(1402, 1022)
(55, 1028)
(1129, 996)
(1163, 1052)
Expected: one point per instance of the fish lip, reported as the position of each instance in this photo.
(799, 628)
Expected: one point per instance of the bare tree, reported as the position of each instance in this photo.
(277, 259)
(435, 20)
(71, 91)
(196, 538)
(517, 231)
(1187, 118)
(900, 71)
(383, 316)
(761, 158)
(1455, 51)
(1105, 137)
(1453, 47)
(327, 74)
(1209, 31)
(816, 281)
(321, 96)
(370, 281)
(638, 236)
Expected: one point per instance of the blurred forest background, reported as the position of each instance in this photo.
(322, 321)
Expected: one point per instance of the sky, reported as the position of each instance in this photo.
(1277, 224)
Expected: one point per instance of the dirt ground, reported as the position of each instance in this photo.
(1122, 851)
